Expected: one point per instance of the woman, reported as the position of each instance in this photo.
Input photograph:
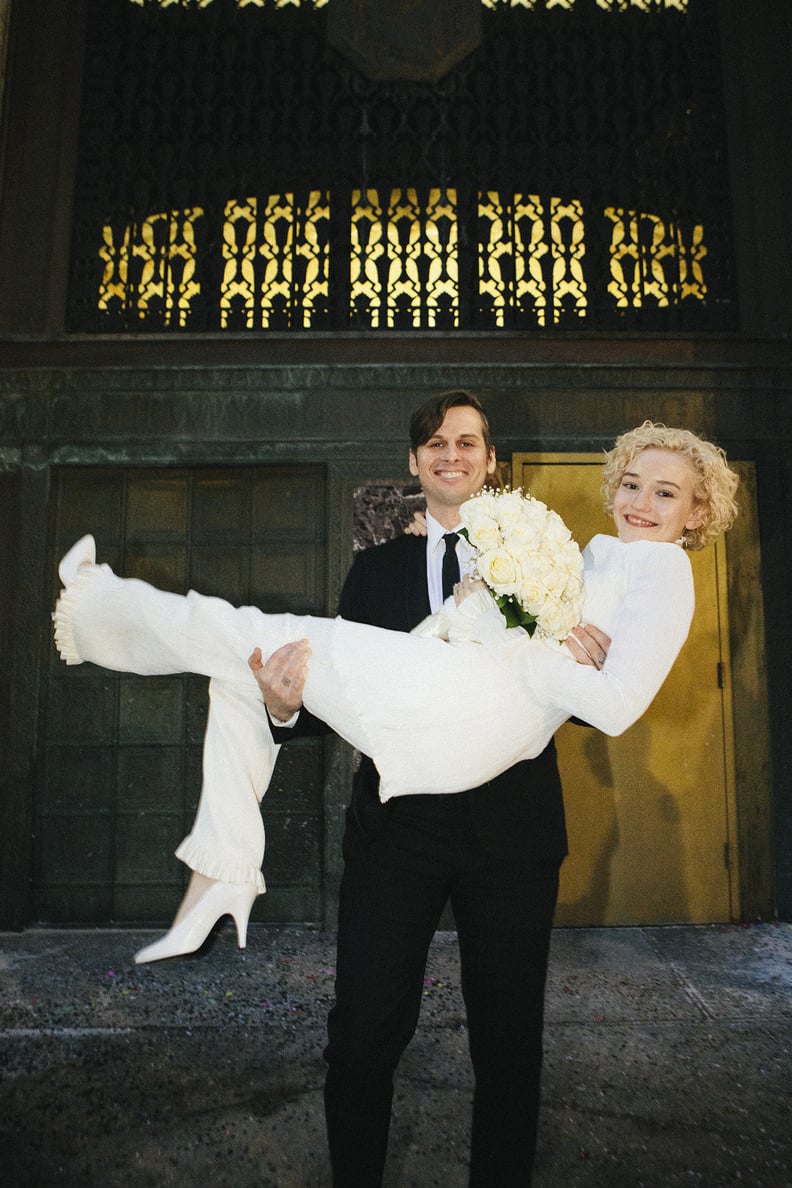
(393, 695)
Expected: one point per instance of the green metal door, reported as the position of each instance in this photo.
(118, 771)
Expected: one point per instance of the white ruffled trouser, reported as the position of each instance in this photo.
(434, 718)
(128, 626)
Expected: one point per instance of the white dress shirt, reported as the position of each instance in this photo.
(435, 551)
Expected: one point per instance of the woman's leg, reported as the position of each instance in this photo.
(225, 847)
(130, 626)
(227, 838)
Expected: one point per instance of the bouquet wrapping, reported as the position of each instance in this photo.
(525, 555)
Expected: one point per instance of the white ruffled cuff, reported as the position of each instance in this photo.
(225, 870)
(65, 613)
(477, 619)
(434, 626)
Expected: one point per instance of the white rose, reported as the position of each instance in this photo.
(524, 538)
(483, 531)
(511, 506)
(500, 570)
(557, 577)
(486, 502)
(558, 617)
(556, 534)
(534, 514)
(570, 562)
(572, 556)
(480, 517)
(533, 593)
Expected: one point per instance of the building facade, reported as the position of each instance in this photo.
(233, 262)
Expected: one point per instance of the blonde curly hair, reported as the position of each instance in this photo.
(715, 482)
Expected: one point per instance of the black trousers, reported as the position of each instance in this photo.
(397, 879)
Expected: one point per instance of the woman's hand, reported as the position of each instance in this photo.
(417, 525)
(466, 587)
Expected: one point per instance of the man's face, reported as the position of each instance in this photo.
(454, 463)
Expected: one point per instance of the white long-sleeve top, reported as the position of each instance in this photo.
(641, 594)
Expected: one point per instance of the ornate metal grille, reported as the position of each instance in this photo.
(235, 173)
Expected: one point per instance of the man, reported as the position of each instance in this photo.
(494, 852)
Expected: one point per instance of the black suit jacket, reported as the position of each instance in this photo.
(518, 814)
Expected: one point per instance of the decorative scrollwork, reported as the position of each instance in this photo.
(236, 173)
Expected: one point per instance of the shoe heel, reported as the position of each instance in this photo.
(241, 914)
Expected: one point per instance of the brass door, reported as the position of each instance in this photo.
(651, 815)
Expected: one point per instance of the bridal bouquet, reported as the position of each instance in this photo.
(527, 558)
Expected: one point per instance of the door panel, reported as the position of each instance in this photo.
(120, 756)
(651, 814)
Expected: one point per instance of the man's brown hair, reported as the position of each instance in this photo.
(428, 418)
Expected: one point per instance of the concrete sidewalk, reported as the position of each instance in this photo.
(668, 1062)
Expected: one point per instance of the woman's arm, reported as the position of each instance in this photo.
(651, 626)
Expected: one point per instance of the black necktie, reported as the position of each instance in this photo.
(450, 564)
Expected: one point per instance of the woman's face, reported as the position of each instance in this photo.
(655, 498)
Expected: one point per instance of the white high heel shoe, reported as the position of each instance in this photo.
(83, 552)
(222, 899)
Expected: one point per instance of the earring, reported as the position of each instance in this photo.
(682, 541)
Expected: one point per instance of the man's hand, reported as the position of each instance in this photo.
(417, 525)
(589, 645)
(282, 679)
